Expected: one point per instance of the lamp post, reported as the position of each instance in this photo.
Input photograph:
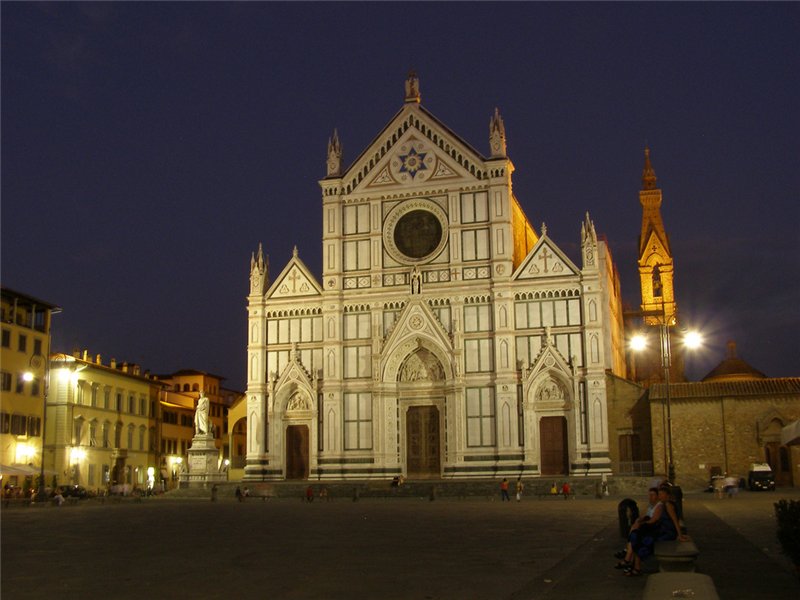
(691, 340)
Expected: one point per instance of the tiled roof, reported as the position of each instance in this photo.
(716, 389)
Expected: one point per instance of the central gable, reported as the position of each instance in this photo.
(415, 149)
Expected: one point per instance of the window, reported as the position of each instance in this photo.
(475, 244)
(480, 417)
(356, 255)
(19, 424)
(37, 347)
(34, 426)
(77, 431)
(357, 421)
(93, 433)
(6, 381)
(5, 422)
(478, 355)
(107, 398)
(143, 406)
(477, 317)
(94, 395)
(106, 433)
(23, 343)
(92, 474)
(356, 326)
(35, 386)
(130, 437)
(356, 219)
(142, 431)
(357, 362)
(474, 207)
(20, 384)
(132, 406)
(6, 338)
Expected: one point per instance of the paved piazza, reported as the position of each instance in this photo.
(374, 548)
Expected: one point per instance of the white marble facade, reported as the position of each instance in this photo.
(445, 338)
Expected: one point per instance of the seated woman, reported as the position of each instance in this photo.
(626, 555)
(661, 526)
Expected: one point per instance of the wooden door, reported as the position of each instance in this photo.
(422, 442)
(555, 454)
(297, 452)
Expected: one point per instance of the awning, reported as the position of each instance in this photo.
(23, 470)
(790, 435)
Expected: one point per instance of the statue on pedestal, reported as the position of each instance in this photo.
(201, 415)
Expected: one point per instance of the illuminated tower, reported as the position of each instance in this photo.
(656, 268)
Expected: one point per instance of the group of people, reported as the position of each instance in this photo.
(659, 523)
(565, 490)
(241, 494)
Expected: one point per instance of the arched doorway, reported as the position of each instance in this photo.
(297, 452)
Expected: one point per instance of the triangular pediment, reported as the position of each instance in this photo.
(294, 281)
(655, 251)
(545, 260)
(414, 150)
(416, 331)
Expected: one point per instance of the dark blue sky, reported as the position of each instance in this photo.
(147, 148)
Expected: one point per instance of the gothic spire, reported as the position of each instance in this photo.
(648, 173)
(497, 135)
(334, 155)
(412, 87)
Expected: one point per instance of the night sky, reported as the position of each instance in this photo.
(147, 148)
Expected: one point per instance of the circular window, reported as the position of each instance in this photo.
(415, 231)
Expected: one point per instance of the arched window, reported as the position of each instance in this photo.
(130, 437)
(185, 387)
(195, 387)
(657, 285)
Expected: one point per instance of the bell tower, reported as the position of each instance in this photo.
(656, 267)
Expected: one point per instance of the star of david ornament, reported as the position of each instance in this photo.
(412, 162)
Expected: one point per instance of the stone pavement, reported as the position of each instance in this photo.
(374, 548)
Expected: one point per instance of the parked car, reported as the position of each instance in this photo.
(760, 477)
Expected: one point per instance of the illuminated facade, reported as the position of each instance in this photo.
(25, 346)
(445, 338)
(101, 422)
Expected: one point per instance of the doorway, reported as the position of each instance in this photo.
(555, 453)
(297, 452)
(423, 459)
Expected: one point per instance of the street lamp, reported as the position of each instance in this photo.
(691, 340)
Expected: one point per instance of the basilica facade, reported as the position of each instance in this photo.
(446, 337)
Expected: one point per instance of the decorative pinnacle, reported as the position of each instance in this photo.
(497, 135)
(294, 252)
(334, 164)
(648, 173)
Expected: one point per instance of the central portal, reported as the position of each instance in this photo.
(422, 442)
(297, 452)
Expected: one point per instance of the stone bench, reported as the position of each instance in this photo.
(676, 555)
(668, 586)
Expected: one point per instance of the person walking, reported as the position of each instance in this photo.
(239, 495)
(520, 487)
(504, 490)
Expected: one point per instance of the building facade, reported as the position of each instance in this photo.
(446, 337)
(25, 325)
(726, 422)
(101, 423)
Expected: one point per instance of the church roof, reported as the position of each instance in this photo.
(733, 368)
(717, 389)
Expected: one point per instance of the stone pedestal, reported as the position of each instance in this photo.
(203, 468)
